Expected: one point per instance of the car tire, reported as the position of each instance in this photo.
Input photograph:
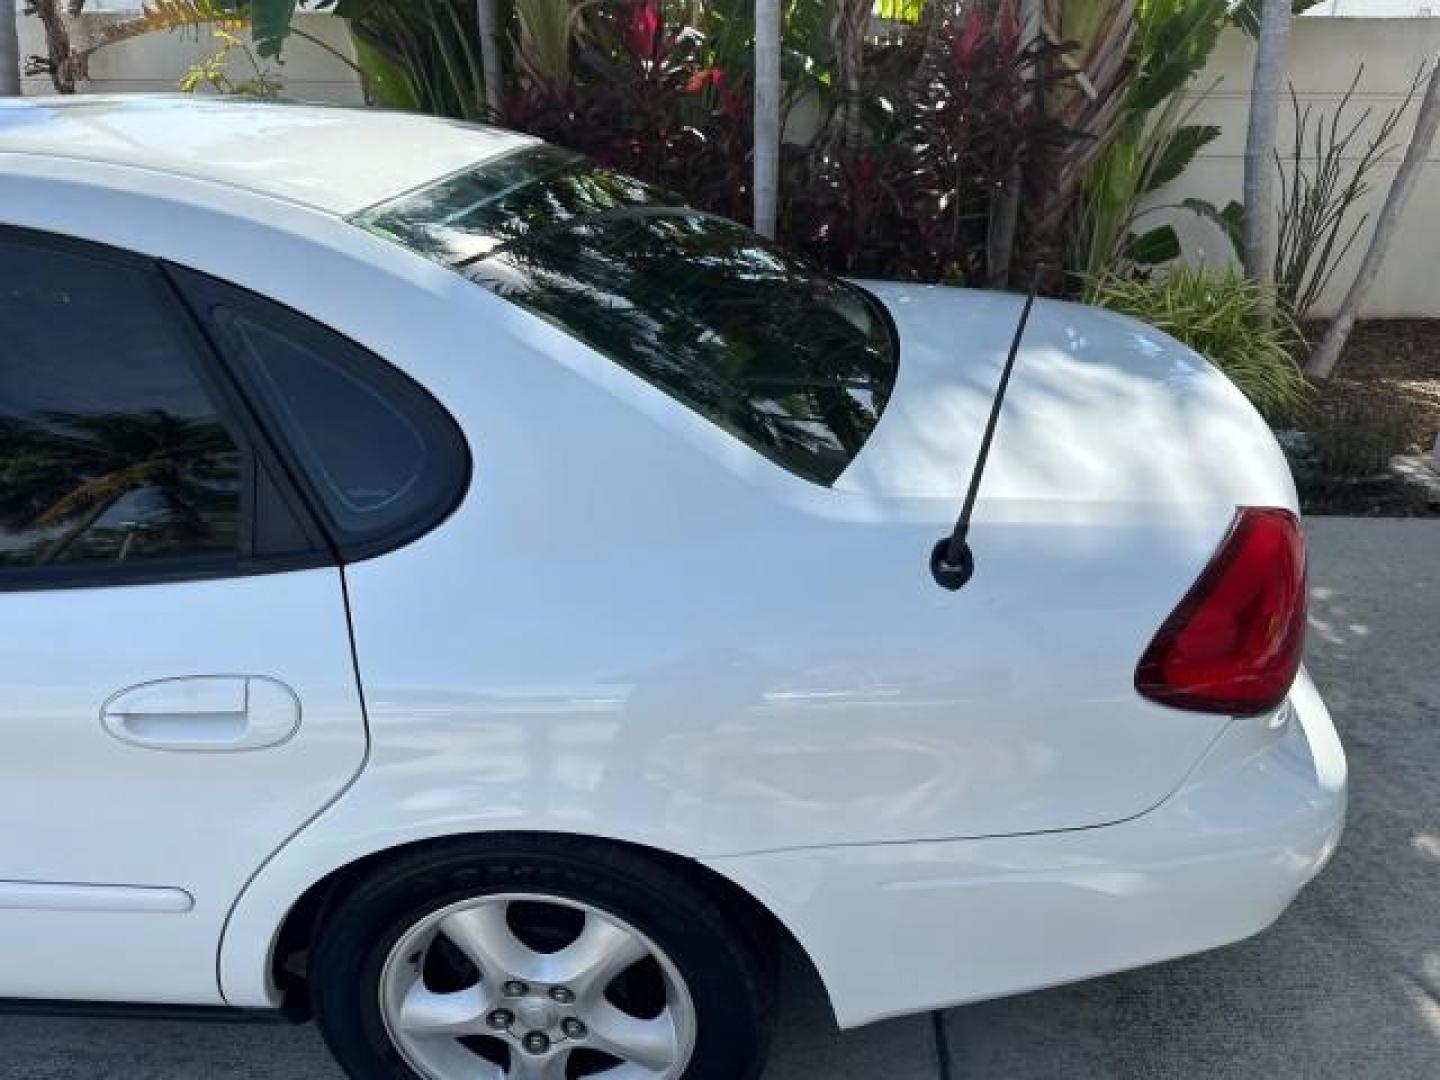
(388, 952)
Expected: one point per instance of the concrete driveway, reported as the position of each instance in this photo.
(1346, 985)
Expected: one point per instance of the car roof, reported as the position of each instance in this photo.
(339, 160)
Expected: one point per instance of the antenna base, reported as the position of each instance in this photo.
(952, 576)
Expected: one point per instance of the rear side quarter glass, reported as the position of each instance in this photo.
(380, 459)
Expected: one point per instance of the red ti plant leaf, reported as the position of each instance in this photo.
(966, 45)
(642, 32)
(1007, 30)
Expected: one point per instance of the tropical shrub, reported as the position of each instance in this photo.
(417, 54)
(640, 97)
(952, 144)
(1153, 140)
(919, 176)
(1216, 314)
(954, 125)
(948, 124)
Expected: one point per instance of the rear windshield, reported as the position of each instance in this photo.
(794, 362)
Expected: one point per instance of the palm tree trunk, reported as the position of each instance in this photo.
(847, 39)
(9, 51)
(1005, 208)
(1270, 61)
(1323, 361)
(490, 60)
(767, 114)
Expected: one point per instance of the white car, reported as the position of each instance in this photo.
(456, 589)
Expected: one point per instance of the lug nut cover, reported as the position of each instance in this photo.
(573, 1028)
(500, 1019)
(562, 995)
(537, 1042)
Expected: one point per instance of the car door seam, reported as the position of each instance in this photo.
(322, 809)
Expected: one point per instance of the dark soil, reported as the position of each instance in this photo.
(1388, 387)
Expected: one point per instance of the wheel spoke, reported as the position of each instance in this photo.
(526, 1067)
(425, 1012)
(483, 934)
(648, 1043)
(593, 960)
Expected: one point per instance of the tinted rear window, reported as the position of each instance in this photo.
(794, 362)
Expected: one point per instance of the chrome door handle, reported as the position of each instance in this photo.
(204, 713)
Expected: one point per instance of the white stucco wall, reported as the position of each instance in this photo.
(1367, 9)
(156, 62)
(1325, 53)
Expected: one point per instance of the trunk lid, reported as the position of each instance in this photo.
(1101, 408)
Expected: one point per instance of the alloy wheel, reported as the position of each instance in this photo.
(526, 987)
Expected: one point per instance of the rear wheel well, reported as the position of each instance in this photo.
(288, 961)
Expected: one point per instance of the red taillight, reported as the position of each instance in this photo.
(1234, 643)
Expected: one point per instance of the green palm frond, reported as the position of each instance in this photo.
(160, 15)
(270, 21)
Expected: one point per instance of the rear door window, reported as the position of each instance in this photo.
(116, 458)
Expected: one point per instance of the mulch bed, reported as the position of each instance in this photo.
(1388, 377)
(1366, 498)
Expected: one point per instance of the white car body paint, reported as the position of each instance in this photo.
(635, 627)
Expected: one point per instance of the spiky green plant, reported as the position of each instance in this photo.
(1215, 313)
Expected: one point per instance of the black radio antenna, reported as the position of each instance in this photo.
(952, 562)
